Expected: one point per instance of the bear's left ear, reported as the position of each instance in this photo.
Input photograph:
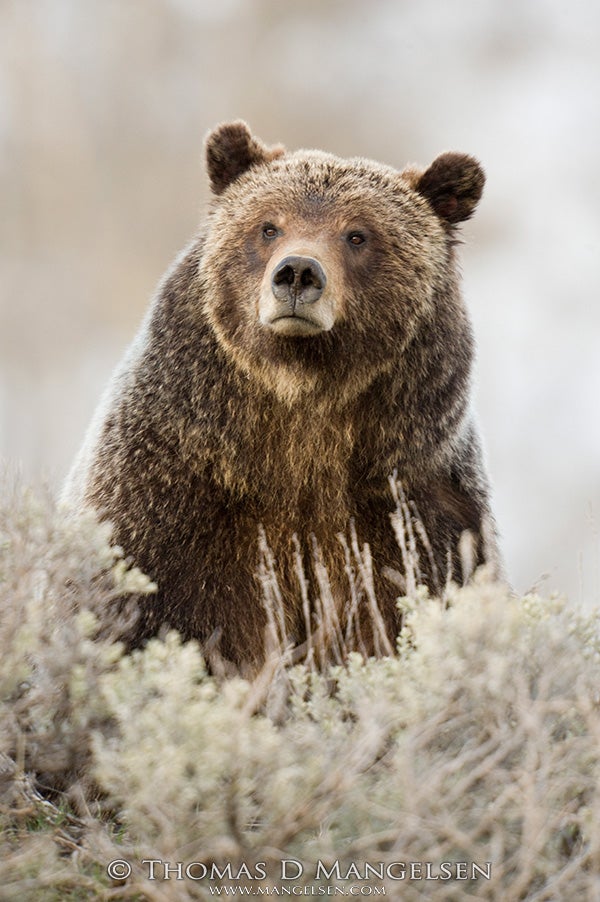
(231, 150)
(453, 185)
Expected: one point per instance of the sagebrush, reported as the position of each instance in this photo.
(478, 741)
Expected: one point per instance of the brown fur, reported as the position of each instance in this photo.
(220, 420)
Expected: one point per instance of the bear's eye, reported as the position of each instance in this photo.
(270, 231)
(356, 238)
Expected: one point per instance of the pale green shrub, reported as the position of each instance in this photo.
(53, 575)
(479, 742)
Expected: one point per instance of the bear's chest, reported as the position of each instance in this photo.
(291, 467)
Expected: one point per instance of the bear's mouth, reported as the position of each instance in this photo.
(295, 326)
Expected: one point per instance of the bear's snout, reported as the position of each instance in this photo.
(296, 298)
(298, 280)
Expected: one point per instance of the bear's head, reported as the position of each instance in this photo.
(311, 261)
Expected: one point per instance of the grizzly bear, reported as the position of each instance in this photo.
(310, 343)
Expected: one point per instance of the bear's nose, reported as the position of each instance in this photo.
(298, 280)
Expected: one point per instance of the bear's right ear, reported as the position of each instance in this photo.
(453, 185)
(231, 150)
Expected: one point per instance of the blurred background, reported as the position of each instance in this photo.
(103, 110)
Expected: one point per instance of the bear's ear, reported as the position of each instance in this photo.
(231, 150)
(453, 185)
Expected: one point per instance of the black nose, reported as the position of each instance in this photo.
(298, 280)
